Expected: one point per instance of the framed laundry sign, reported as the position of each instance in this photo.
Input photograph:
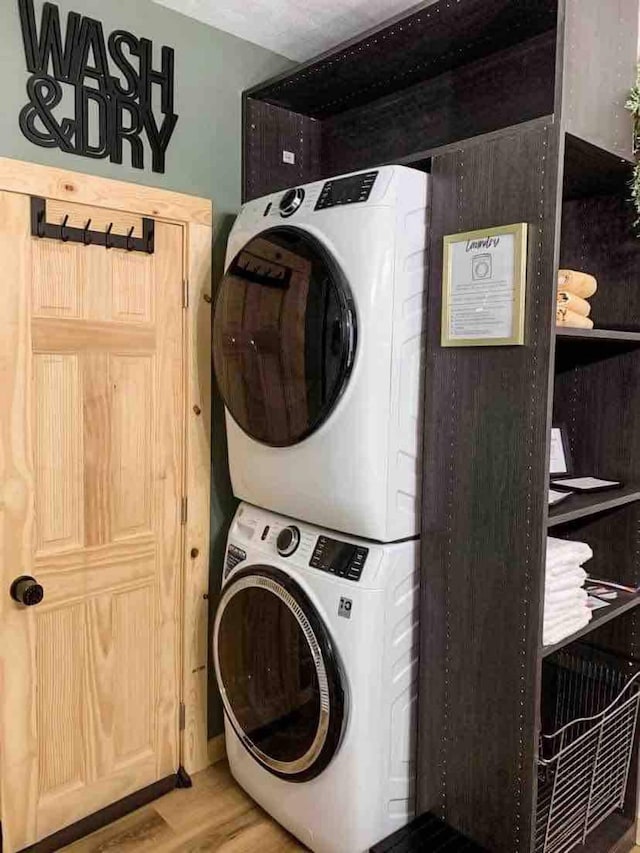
(484, 287)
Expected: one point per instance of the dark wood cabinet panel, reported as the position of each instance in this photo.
(600, 51)
(484, 505)
(269, 132)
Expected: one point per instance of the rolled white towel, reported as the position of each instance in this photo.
(562, 553)
(570, 580)
(556, 633)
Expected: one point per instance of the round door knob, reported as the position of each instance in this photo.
(291, 201)
(26, 591)
(287, 541)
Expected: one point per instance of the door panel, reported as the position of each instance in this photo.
(56, 280)
(91, 477)
(57, 451)
(131, 381)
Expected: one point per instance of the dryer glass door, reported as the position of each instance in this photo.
(278, 673)
(284, 336)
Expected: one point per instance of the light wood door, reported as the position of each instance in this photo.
(91, 478)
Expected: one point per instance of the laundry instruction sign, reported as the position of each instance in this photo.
(95, 96)
(484, 284)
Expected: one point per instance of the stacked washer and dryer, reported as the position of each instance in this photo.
(318, 343)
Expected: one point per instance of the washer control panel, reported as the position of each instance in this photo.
(339, 558)
(348, 190)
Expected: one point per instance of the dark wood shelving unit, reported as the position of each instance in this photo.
(516, 109)
(626, 601)
(578, 506)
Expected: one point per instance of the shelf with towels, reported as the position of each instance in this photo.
(626, 601)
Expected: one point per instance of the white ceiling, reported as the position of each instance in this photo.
(298, 29)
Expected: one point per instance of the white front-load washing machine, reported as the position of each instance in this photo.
(315, 652)
(318, 340)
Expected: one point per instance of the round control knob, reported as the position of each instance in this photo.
(26, 591)
(288, 541)
(291, 201)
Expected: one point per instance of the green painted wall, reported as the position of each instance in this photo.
(204, 156)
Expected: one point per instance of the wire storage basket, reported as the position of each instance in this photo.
(591, 705)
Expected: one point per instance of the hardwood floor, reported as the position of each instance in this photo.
(213, 815)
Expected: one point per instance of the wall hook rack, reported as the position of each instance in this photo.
(41, 228)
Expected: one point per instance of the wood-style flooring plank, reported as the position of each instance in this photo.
(213, 789)
(142, 830)
(214, 815)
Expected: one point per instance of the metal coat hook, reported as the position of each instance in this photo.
(63, 229)
(107, 236)
(130, 246)
(40, 226)
(86, 237)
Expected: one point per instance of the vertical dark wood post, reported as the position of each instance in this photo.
(487, 415)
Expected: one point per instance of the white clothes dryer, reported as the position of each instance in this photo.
(318, 340)
(315, 649)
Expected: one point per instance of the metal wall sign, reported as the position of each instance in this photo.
(111, 86)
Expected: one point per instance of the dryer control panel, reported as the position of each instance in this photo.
(349, 190)
(339, 558)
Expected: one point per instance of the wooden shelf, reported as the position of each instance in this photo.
(420, 43)
(593, 335)
(578, 506)
(592, 170)
(626, 601)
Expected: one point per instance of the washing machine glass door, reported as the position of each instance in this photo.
(284, 336)
(279, 674)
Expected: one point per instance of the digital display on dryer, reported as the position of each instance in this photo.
(339, 558)
(346, 190)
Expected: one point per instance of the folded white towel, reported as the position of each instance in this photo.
(560, 570)
(554, 620)
(564, 548)
(565, 598)
(570, 580)
(556, 633)
(562, 553)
